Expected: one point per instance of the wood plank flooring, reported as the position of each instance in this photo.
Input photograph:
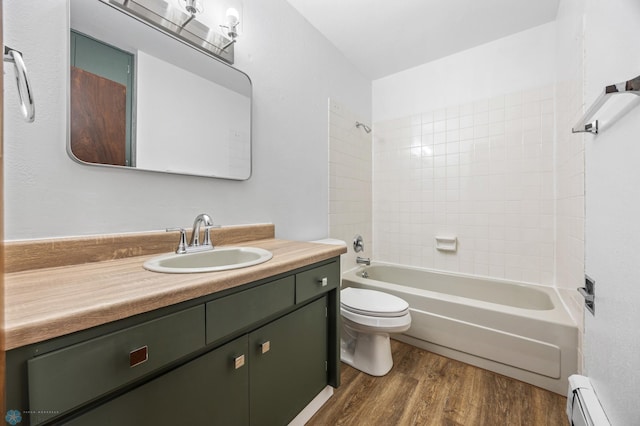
(427, 389)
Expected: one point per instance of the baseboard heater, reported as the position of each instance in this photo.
(583, 406)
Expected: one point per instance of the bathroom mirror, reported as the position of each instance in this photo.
(142, 99)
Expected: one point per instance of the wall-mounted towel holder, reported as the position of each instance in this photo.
(586, 123)
(27, 103)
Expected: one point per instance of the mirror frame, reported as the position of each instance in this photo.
(183, 42)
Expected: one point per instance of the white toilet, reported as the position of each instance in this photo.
(368, 316)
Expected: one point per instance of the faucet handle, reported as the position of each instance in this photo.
(206, 241)
(182, 245)
(358, 243)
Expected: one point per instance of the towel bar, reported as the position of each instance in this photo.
(585, 124)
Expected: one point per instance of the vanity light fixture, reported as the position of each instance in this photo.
(186, 21)
(231, 27)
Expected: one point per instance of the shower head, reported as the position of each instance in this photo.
(364, 126)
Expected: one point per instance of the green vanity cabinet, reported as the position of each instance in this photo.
(252, 355)
(210, 390)
(265, 377)
(288, 363)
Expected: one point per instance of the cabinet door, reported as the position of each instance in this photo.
(288, 364)
(210, 390)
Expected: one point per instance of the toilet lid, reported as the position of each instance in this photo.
(372, 303)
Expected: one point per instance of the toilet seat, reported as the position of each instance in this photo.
(372, 303)
(369, 324)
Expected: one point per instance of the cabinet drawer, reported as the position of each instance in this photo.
(234, 312)
(210, 390)
(317, 281)
(61, 380)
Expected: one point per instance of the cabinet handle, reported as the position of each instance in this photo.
(265, 347)
(138, 356)
(324, 281)
(238, 361)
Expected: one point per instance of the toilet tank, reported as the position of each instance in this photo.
(335, 242)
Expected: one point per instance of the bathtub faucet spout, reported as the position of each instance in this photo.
(363, 261)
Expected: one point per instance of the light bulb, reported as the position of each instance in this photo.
(233, 17)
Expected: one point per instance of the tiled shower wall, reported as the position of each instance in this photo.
(482, 172)
(349, 181)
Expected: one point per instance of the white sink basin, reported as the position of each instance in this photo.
(219, 259)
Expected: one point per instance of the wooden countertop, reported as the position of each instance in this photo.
(51, 302)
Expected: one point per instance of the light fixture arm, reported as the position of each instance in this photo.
(223, 48)
(231, 29)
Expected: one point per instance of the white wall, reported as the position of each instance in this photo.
(518, 62)
(612, 340)
(49, 195)
(463, 146)
(569, 161)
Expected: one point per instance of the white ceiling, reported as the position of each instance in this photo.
(382, 37)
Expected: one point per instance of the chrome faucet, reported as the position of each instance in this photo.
(202, 220)
(363, 260)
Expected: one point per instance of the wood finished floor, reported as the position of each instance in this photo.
(427, 389)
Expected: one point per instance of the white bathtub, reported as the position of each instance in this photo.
(519, 330)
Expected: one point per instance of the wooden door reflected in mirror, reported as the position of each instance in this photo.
(98, 118)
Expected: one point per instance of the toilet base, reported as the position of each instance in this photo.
(367, 352)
